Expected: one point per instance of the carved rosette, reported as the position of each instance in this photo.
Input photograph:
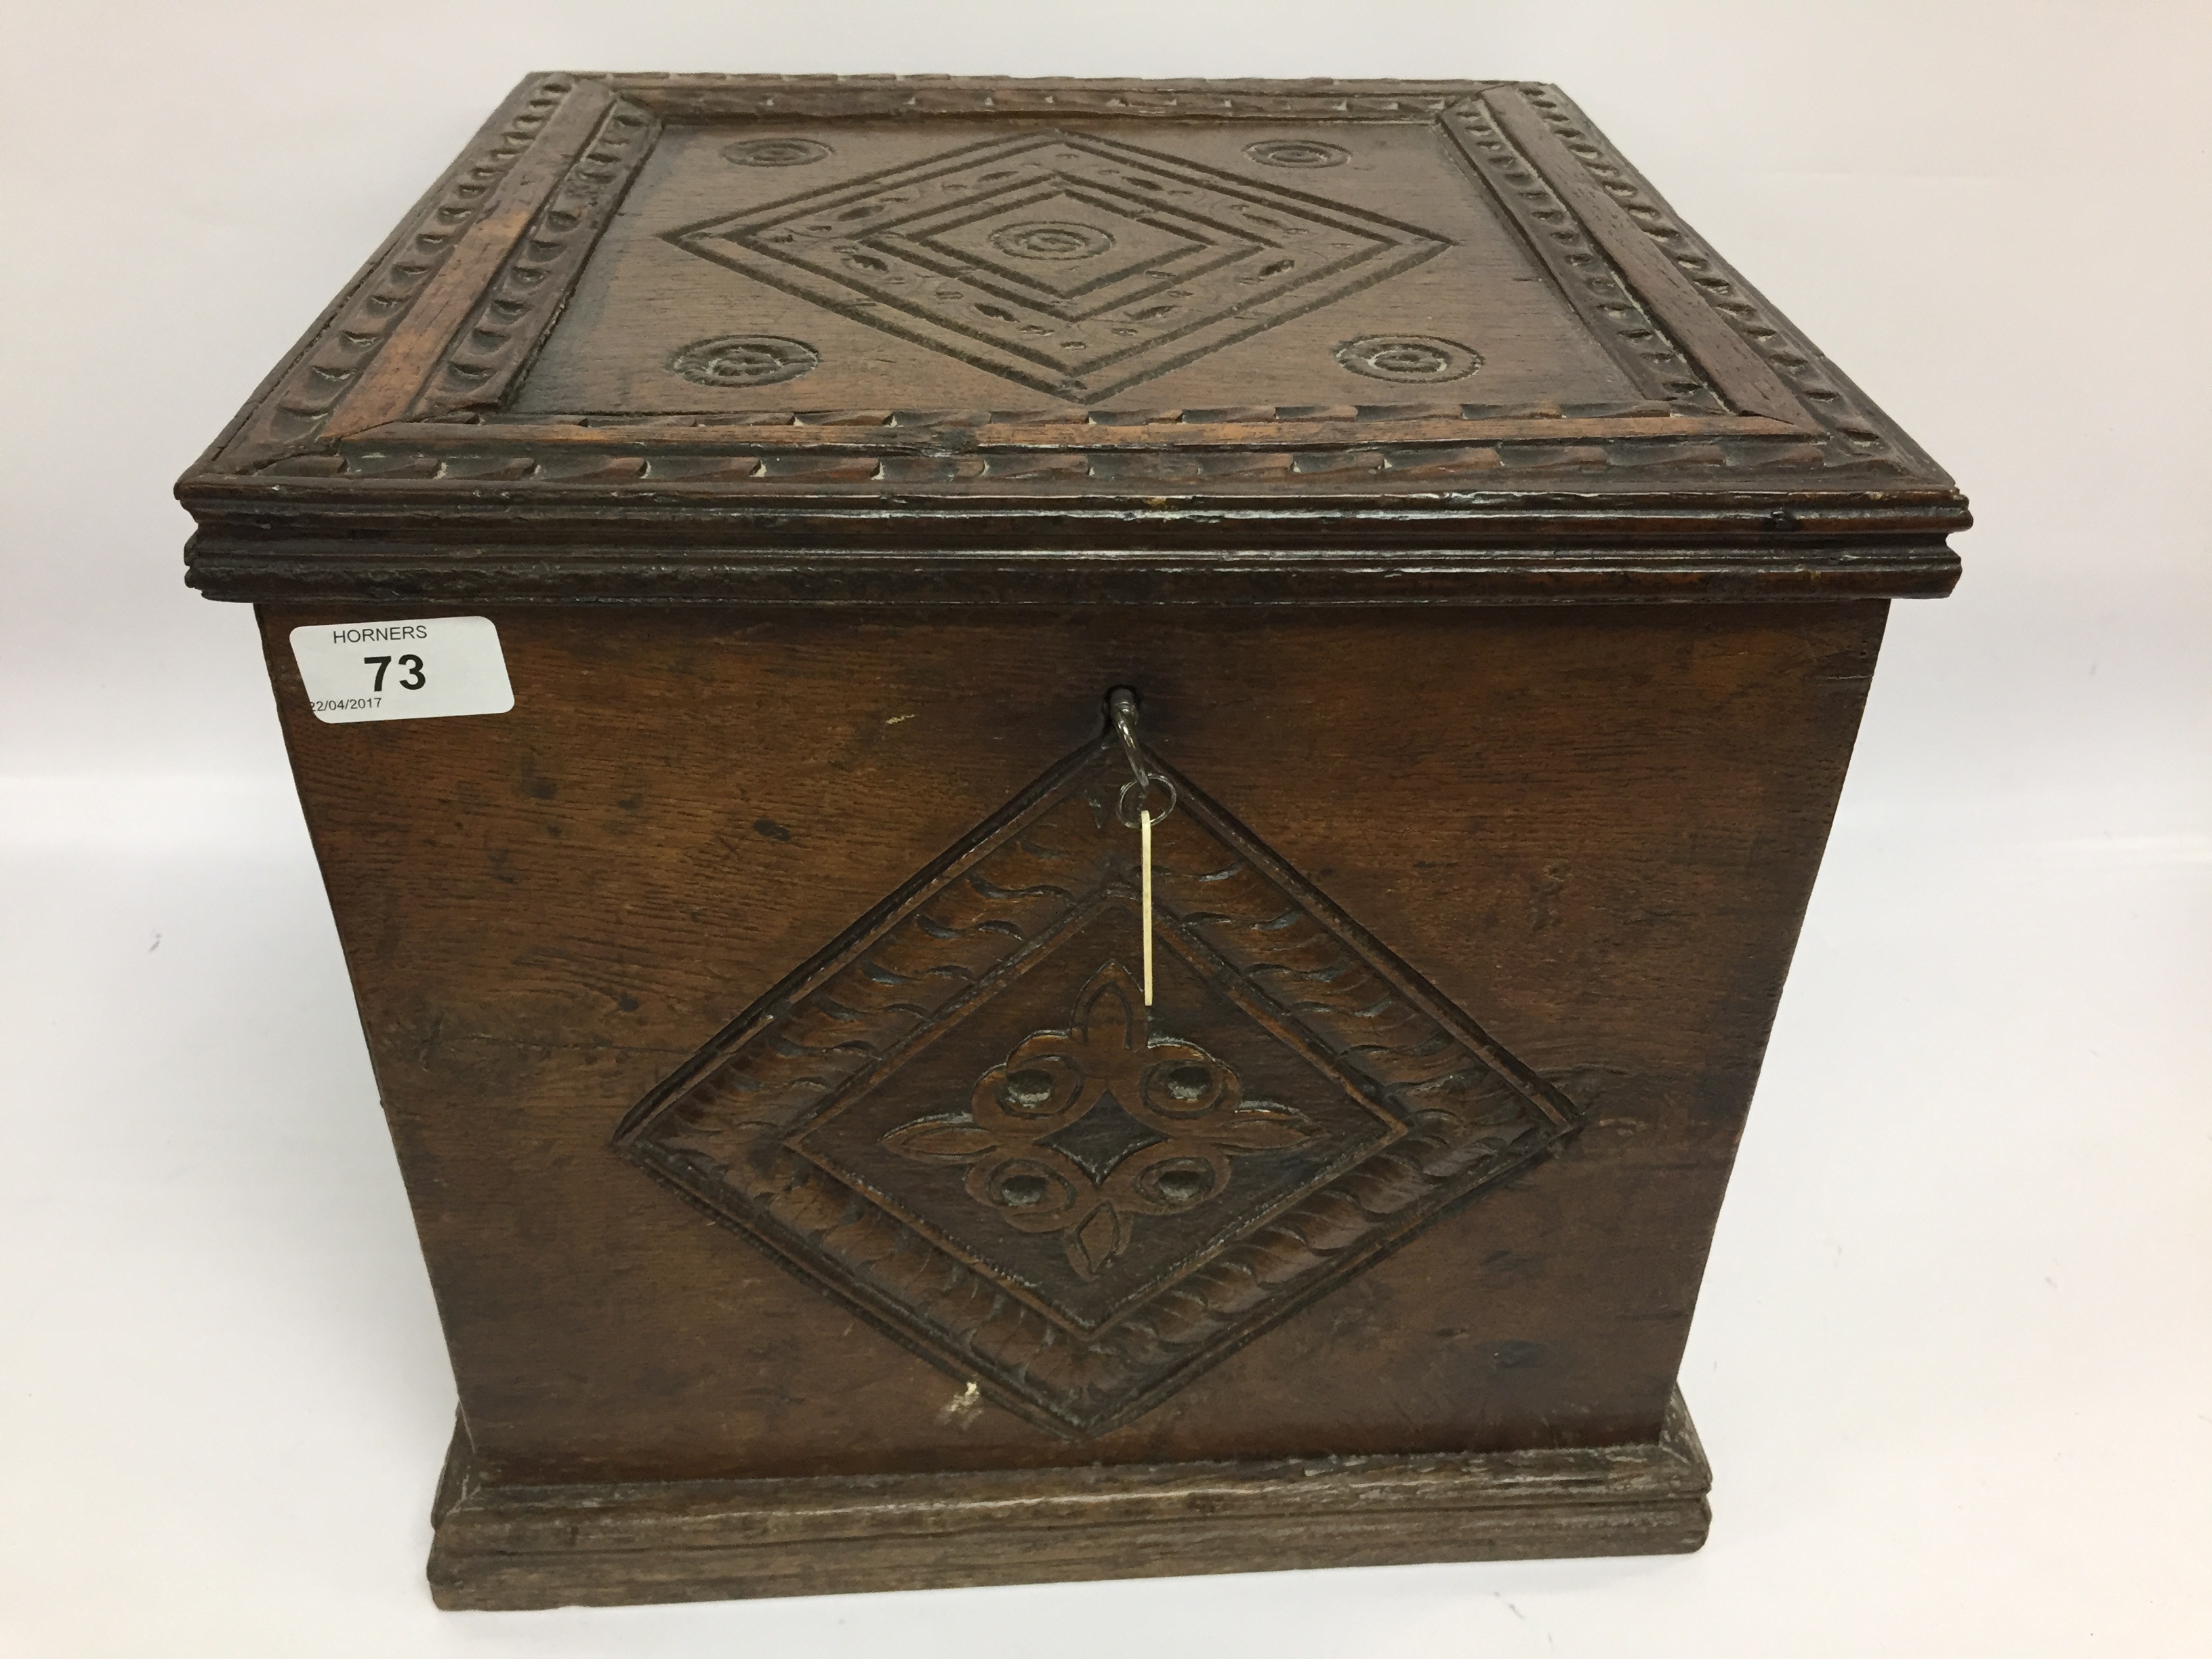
(1083, 1129)
(963, 1120)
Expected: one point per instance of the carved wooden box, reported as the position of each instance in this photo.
(756, 976)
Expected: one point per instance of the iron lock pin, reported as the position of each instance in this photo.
(1121, 707)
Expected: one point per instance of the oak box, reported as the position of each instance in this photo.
(1067, 814)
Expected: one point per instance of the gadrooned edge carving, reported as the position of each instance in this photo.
(862, 447)
(1591, 283)
(742, 359)
(484, 357)
(718, 1129)
(1409, 359)
(1856, 437)
(293, 412)
(833, 96)
(764, 462)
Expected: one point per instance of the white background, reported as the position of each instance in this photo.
(1952, 1363)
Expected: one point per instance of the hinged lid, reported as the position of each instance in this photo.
(890, 340)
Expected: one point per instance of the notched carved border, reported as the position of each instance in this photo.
(1734, 390)
(1592, 284)
(1428, 445)
(1852, 432)
(485, 359)
(817, 97)
(718, 1130)
(478, 272)
(1428, 467)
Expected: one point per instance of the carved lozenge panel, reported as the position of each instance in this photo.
(964, 1120)
(1070, 262)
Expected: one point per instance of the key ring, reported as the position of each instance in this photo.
(1122, 705)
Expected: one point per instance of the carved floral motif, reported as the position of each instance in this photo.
(1179, 1117)
(1299, 1103)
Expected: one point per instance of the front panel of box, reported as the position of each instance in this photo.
(1575, 842)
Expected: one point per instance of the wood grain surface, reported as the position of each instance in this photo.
(810, 1201)
(654, 336)
(1592, 828)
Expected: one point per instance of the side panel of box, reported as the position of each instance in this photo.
(1594, 828)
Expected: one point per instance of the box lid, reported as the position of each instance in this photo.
(889, 340)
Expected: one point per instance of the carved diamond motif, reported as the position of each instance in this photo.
(1075, 265)
(963, 1121)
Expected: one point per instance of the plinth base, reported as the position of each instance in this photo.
(602, 1546)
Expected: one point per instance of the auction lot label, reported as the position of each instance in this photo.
(403, 670)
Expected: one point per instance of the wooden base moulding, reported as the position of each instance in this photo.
(517, 1547)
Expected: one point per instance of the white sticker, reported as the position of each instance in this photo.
(403, 670)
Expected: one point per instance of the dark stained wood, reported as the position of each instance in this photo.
(1446, 322)
(388, 387)
(810, 1201)
(610, 1545)
(1073, 1193)
(1596, 838)
(1547, 133)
